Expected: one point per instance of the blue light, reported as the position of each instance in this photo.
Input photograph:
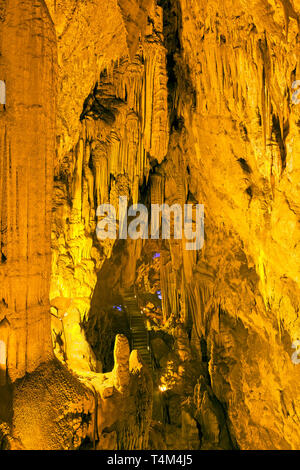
(118, 307)
(159, 294)
(156, 255)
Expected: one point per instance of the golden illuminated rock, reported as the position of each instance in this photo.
(27, 146)
(121, 370)
(173, 102)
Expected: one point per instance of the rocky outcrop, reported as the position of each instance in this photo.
(124, 401)
(53, 410)
(57, 409)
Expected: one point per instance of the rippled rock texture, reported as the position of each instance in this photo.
(161, 101)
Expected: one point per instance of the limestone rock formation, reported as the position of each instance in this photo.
(121, 370)
(240, 140)
(27, 147)
(161, 101)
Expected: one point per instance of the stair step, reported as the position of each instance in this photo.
(146, 361)
(137, 326)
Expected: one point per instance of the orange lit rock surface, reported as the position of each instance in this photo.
(27, 148)
(160, 101)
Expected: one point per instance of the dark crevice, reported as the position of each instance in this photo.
(244, 165)
(280, 136)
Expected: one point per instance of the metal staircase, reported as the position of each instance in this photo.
(139, 332)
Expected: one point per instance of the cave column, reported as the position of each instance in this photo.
(27, 151)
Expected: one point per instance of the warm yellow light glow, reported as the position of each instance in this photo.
(2, 353)
(163, 388)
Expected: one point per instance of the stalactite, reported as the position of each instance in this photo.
(88, 174)
(77, 182)
(99, 157)
(157, 189)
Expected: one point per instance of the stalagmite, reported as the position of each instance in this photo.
(121, 369)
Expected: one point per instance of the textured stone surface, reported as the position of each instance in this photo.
(124, 128)
(53, 410)
(239, 138)
(57, 409)
(187, 101)
(50, 61)
(27, 148)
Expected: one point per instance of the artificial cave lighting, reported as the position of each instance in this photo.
(149, 225)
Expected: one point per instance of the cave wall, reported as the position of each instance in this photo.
(124, 130)
(198, 96)
(91, 37)
(233, 141)
(48, 76)
(236, 135)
